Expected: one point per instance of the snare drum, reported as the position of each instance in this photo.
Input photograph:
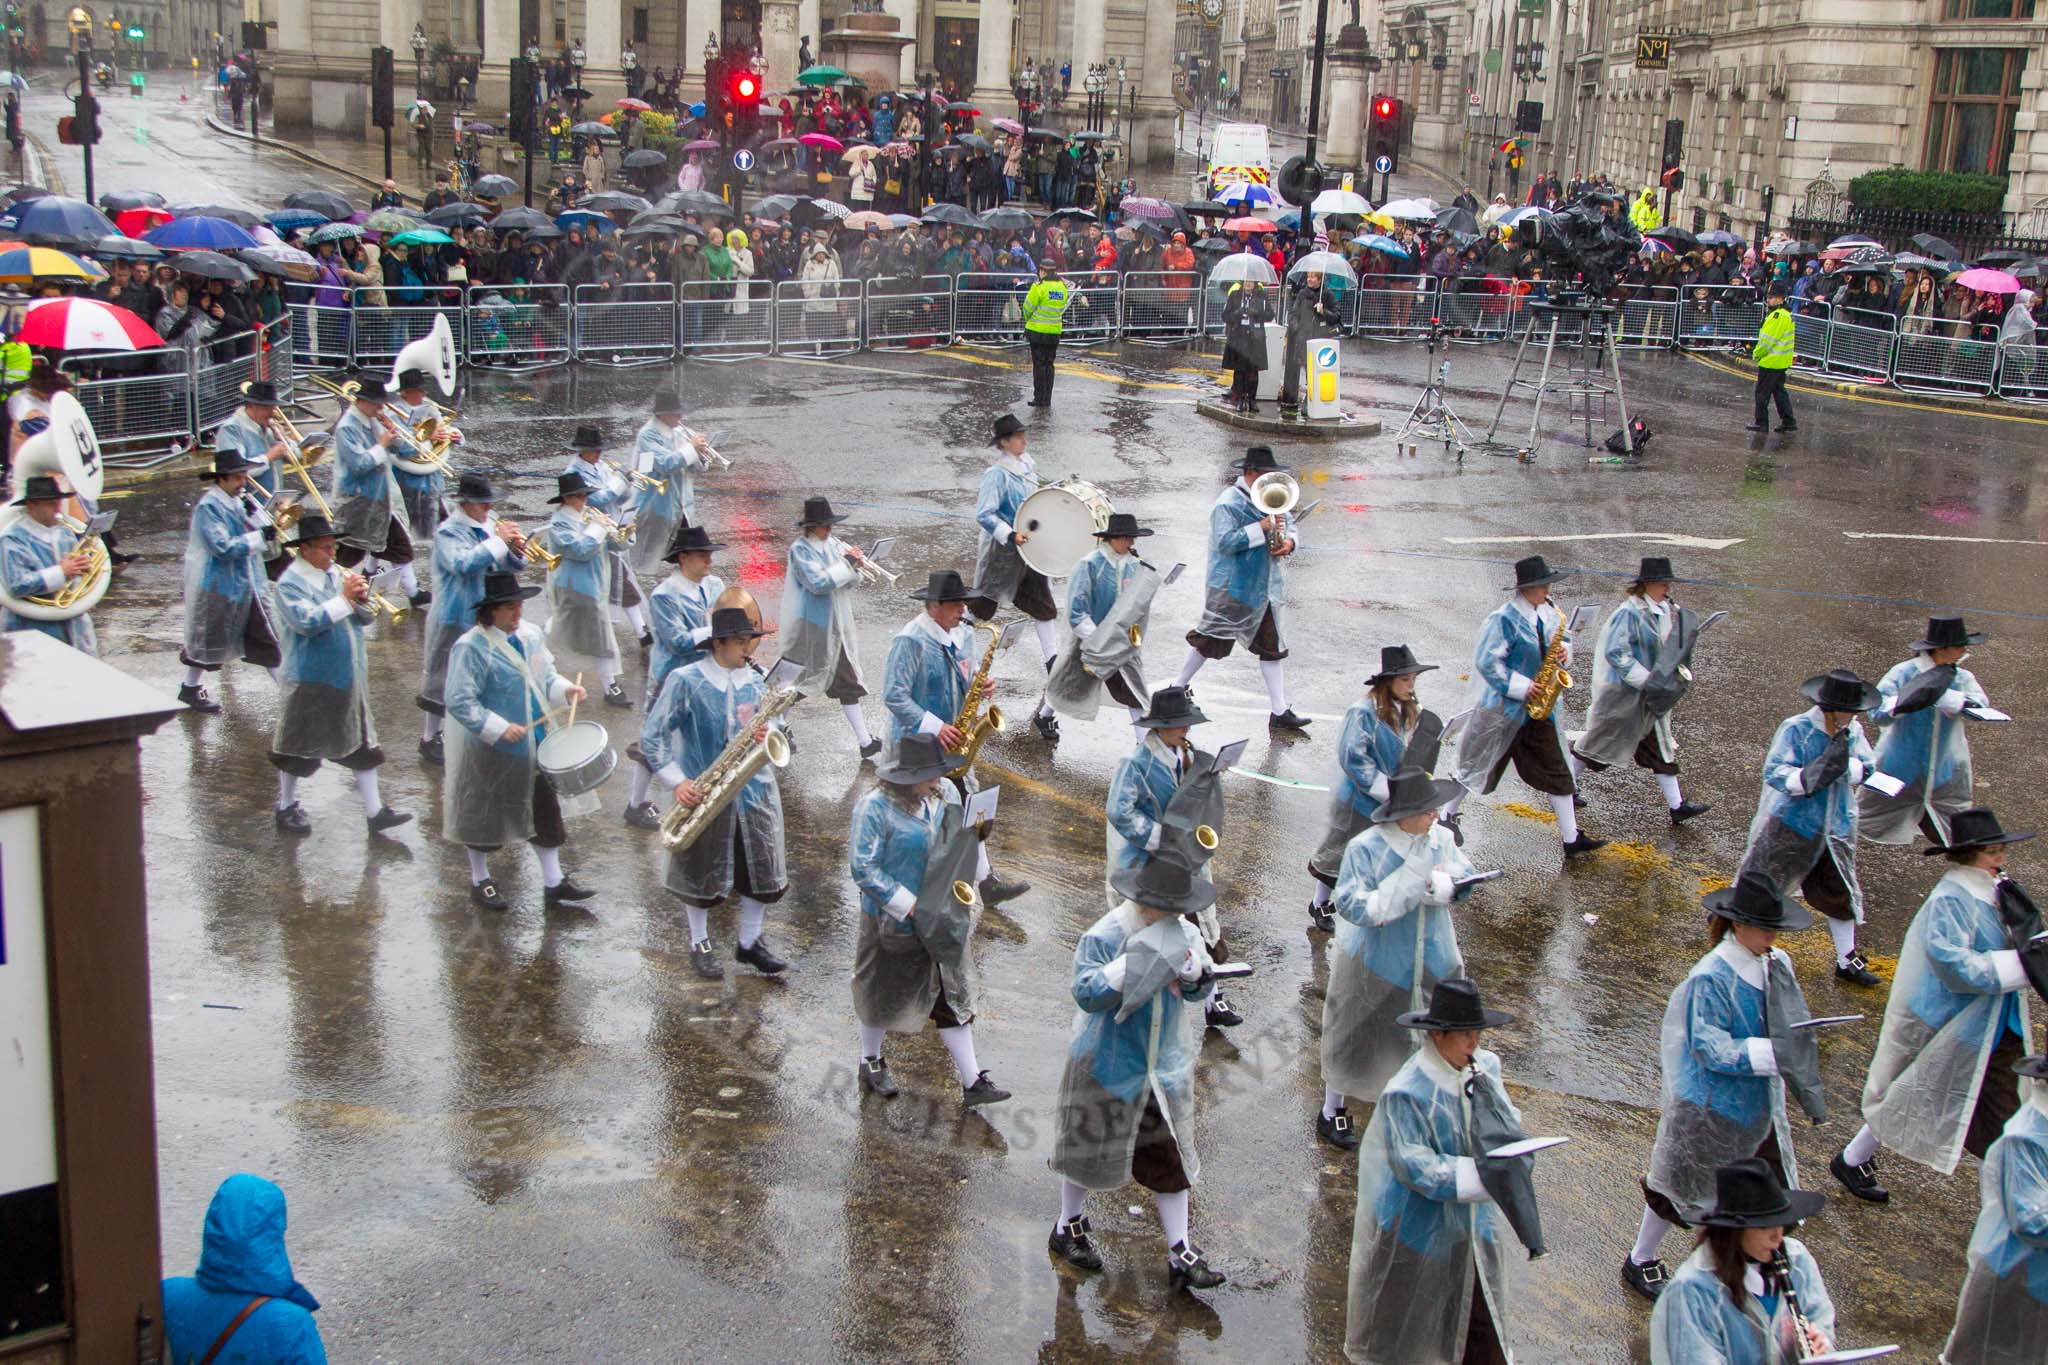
(1062, 519)
(576, 760)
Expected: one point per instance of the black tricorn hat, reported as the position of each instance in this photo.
(688, 538)
(1947, 632)
(1655, 569)
(1747, 1194)
(502, 587)
(1165, 882)
(1976, 827)
(42, 488)
(1412, 791)
(260, 391)
(1006, 425)
(1532, 572)
(1122, 524)
(1259, 459)
(312, 526)
(818, 512)
(569, 485)
(1171, 708)
(226, 462)
(473, 488)
(589, 436)
(1454, 1004)
(944, 585)
(1397, 661)
(1755, 900)
(918, 758)
(733, 623)
(1840, 689)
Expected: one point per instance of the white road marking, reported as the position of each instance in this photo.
(1959, 540)
(1657, 537)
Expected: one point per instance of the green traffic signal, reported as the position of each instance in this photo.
(135, 32)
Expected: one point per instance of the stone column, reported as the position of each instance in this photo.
(992, 58)
(779, 19)
(1344, 71)
(291, 84)
(1091, 20)
(601, 48)
(905, 13)
(502, 41)
(700, 20)
(1151, 128)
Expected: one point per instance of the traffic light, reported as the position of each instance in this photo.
(742, 99)
(520, 122)
(85, 119)
(1670, 176)
(135, 34)
(1383, 137)
(14, 137)
(383, 110)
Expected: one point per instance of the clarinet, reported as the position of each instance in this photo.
(1781, 1271)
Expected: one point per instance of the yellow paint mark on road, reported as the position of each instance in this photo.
(1714, 882)
(1526, 811)
(1882, 402)
(1011, 776)
(1080, 371)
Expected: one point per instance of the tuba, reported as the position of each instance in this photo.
(1275, 493)
(434, 353)
(734, 767)
(971, 721)
(1553, 680)
(68, 450)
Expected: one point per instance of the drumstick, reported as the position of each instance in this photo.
(572, 704)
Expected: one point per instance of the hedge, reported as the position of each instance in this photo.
(1928, 191)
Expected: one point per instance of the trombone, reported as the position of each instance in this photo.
(637, 478)
(345, 392)
(295, 459)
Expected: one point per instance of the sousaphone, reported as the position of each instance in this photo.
(67, 450)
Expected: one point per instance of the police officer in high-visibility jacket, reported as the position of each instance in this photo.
(1044, 308)
(1773, 356)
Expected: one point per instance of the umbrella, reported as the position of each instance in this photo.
(1988, 281)
(2030, 273)
(292, 220)
(820, 75)
(705, 144)
(812, 211)
(240, 217)
(1373, 241)
(1784, 248)
(1854, 239)
(1720, 238)
(661, 225)
(1937, 247)
(515, 219)
(1244, 195)
(1339, 201)
(1139, 206)
(392, 220)
(135, 222)
(494, 186)
(638, 106)
(957, 216)
(584, 218)
(1249, 225)
(1380, 219)
(951, 149)
(20, 264)
(1091, 135)
(823, 140)
(188, 234)
(335, 206)
(1673, 236)
(1070, 215)
(1652, 247)
(902, 220)
(544, 232)
(113, 201)
(21, 194)
(127, 248)
(1912, 260)
(1009, 219)
(771, 206)
(703, 201)
(1205, 210)
(1290, 221)
(1410, 211)
(333, 232)
(616, 201)
(1006, 125)
(644, 158)
(862, 152)
(459, 215)
(1053, 133)
(2001, 257)
(84, 325)
(1244, 265)
(1328, 262)
(480, 128)
(288, 261)
(421, 236)
(776, 144)
(61, 220)
(973, 141)
(1867, 256)
(1515, 217)
(574, 93)
(211, 265)
(865, 219)
(601, 131)
(1458, 221)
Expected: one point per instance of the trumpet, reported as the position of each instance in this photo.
(393, 612)
(871, 572)
(1137, 634)
(622, 534)
(537, 553)
(637, 478)
(283, 428)
(711, 457)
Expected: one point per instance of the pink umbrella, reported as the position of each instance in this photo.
(84, 325)
(825, 140)
(637, 106)
(1988, 281)
(702, 144)
(1250, 225)
(1008, 125)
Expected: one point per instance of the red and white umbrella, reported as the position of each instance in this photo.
(85, 325)
(638, 106)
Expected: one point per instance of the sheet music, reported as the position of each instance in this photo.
(1884, 782)
(1827, 1021)
(783, 675)
(387, 582)
(882, 547)
(1579, 616)
(101, 523)
(980, 807)
(1173, 574)
(1985, 713)
(1228, 755)
(1475, 878)
(1528, 1145)
(1010, 634)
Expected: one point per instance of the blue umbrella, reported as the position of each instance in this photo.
(1527, 211)
(206, 234)
(1245, 195)
(1719, 238)
(291, 220)
(1373, 241)
(1290, 221)
(60, 219)
(596, 222)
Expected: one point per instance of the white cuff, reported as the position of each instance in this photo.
(53, 578)
(1113, 972)
(1889, 704)
(495, 727)
(901, 903)
(252, 541)
(1379, 790)
(1152, 839)
(1855, 772)
(1795, 782)
(930, 725)
(1084, 627)
(1518, 686)
(1762, 1059)
(1254, 536)
(558, 691)
(843, 574)
(1952, 703)
(2011, 975)
(337, 608)
(1001, 533)
(1470, 1191)
(700, 635)
(670, 774)
(1636, 676)
(499, 549)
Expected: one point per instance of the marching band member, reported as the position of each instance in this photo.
(1804, 833)
(1097, 583)
(1513, 645)
(1127, 1094)
(1727, 1304)
(1000, 573)
(248, 430)
(39, 554)
(421, 493)
(1395, 943)
(323, 707)
(701, 707)
(1425, 1227)
(1941, 1081)
(897, 983)
(1920, 737)
(612, 494)
(2002, 1315)
(227, 610)
(1722, 1094)
(579, 589)
(663, 450)
(817, 614)
(681, 611)
(1244, 587)
(1370, 751)
(924, 685)
(467, 546)
(1623, 722)
(368, 509)
(495, 791)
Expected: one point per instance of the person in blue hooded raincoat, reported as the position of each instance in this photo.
(323, 709)
(227, 602)
(1000, 573)
(667, 451)
(39, 554)
(611, 493)
(1108, 598)
(1247, 586)
(369, 509)
(1428, 1282)
(468, 544)
(242, 1258)
(679, 615)
(1727, 1304)
(1370, 750)
(2002, 1315)
(817, 616)
(1804, 834)
(1941, 1081)
(1395, 941)
(1920, 737)
(1127, 1092)
(702, 707)
(579, 591)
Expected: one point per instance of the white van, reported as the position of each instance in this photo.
(1242, 155)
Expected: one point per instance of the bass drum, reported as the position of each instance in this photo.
(1062, 519)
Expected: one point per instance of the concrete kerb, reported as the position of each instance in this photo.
(312, 158)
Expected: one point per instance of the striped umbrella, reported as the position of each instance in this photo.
(1245, 196)
(84, 325)
(20, 264)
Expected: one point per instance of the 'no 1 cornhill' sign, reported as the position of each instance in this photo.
(1653, 52)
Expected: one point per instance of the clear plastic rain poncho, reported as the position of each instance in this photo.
(496, 680)
(1927, 750)
(1631, 644)
(1114, 1064)
(700, 709)
(1140, 790)
(1394, 943)
(926, 676)
(1422, 1232)
(817, 611)
(1244, 578)
(224, 579)
(464, 551)
(580, 595)
(29, 555)
(1109, 594)
(665, 453)
(896, 979)
(1369, 753)
(1715, 1106)
(611, 494)
(421, 493)
(2003, 1312)
(1696, 1322)
(998, 568)
(1957, 986)
(1795, 823)
(323, 683)
(1505, 662)
(365, 493)
(679, 617)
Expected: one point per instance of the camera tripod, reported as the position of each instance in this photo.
(1432, 418)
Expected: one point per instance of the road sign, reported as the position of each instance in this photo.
(1383, 164)
(743, 160)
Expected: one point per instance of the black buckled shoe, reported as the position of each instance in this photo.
(870, 750)
(1456, 825)
(1584, 844)
(388, 818)
(983, 1091)
(198, 700)
(486, 896)
(1287, 720)
(646, 641)
(1186, 1269)
(875, 1077)
(1686, 810)
(565, 892)
(1754, 426)
(1048, 728)
(760, 957)
(1856, 971)
(292, 819)
(1338, 1130)
(615, 695)
(1860, 1181)
(433, 753)
(994, 890)
(1074, 1246)
(420, 599)
(1646, 1279)
(643, 816)
(1789, 427)
(1219, 1014)
(1320, 920)
(705, 961)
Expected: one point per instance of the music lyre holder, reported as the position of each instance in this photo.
(1580, 379)
(1432, 419)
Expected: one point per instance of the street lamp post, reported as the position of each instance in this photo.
(1121, 75)
(419, 62)
(1093, 84)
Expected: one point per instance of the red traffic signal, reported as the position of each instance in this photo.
(745, 88)
(1383, 107)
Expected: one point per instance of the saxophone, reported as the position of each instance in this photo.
(1553, 680)
(734, 767)
(971, 722)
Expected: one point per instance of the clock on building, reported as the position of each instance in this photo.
(1212, 10)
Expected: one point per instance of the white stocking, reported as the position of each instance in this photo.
(1861, 1148)
(1275, 673)
(1173, 1217)
(643, 783)
(287, 790)
(1450, 810)
(479, 869)
(1668, 784)
(1333, 1100)
(871, 1042)
(1194, 663)
(1322, 896)
(550, 865)
(1048, 639)
(1843, 931)
(1567, 819)
(430, 727)
(700, 923)
(960, 1042)
(1577, 765)
(752, 915)
(1073, 1200)
(858, 723)
(193, 675)
(982, 871)
(607, 674)
(636, 617)
(1649, 1237)
(408, 579)
(366, 791)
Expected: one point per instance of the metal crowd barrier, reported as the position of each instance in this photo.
(1474, 312)
(1936, 362)
(988, 309)
(140, 402)
(1649, 318)
(325, 331)
(381, 333)
(907, 314)
(1717, 317)
(725, 322)
(817, 317)
(519, 327)
(1093, 309)
(227, 364)
(1396, 307)
(628, 324)
(1810, 341)
(1161, 307)
(2023, 373)
(1860, 344)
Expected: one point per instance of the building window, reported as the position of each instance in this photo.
(1970, 114)
(640, 24)
(1987, 9)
